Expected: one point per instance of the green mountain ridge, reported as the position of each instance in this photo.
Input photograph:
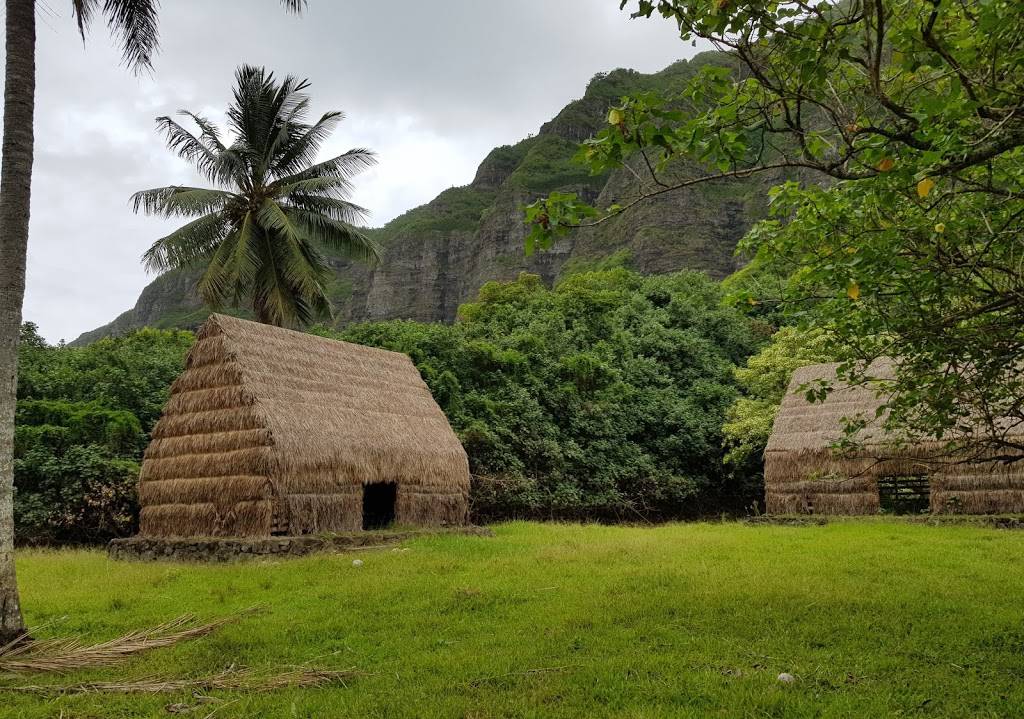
(439, 254)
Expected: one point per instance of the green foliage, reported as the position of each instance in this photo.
(455, 209)
(548, 166)
(82, 422)
(261, 234)
(133, 372)
(907, 241)
(85, 494)
(602, 398)
(763, 381)
(580, 265)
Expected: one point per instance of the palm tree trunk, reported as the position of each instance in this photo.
(15, 195)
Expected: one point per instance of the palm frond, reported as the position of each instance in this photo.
(324, 186)
(274, 220)
(247, 256)
(186, 245)
(336, 209)
(273, 298)
(83, 11)
(132, 22)
(188, 147)
(177, 201)
(336, 236)
(248, 114)
(210, 133)
(303, 148)
(346, 166)
(218, 283)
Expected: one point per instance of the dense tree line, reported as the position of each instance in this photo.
(82, 422)
(603, 398)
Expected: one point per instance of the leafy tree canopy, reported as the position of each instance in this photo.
(82, 421)
(763, 381)
(602, 398)
(911, 114)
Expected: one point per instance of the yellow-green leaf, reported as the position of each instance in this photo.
(924, 187)
(615, 116)
(940, 228)
(853, 290)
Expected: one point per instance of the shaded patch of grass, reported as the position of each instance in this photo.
(873, 618)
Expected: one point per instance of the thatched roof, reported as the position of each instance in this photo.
(803, 471)
(271, 429)
(802, 425)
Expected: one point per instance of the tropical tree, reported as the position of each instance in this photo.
(134, 22)
(261, 230)
(908, 118)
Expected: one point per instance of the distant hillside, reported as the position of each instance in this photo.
(439, 254)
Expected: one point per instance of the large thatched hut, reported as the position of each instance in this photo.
(805, 473)
(275, 432)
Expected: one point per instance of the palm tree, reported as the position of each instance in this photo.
(134, 22)
(260, 230)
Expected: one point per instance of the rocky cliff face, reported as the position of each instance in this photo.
(437, 256)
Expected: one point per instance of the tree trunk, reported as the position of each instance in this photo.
(15, 196)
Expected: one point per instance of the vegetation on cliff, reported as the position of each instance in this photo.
(908, 245)
(473, 234)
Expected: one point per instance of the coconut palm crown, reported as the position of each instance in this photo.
(261, 230)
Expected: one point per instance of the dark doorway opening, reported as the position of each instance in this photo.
(379, 505)
(903, 495)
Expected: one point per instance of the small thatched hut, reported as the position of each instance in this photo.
(804, 474)
(270, 431)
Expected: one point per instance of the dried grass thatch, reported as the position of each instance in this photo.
(274, 431)
(66, 655)
(229, 680)
(804, 474)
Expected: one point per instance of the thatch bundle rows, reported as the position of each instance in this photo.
(274, 431)
(804, 473)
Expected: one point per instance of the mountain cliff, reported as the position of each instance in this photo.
(438, 255)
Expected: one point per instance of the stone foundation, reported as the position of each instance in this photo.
(212, 549)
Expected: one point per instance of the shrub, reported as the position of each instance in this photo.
(602, 398)
(82, 421)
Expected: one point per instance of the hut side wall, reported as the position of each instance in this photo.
(338, 511)
(419, 506)
(978, 488)
(795, 486)
(207, 469)
(820, 482)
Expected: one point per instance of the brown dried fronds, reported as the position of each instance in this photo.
(230, 680)
(65, 655)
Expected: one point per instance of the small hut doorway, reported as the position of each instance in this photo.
(903, 495)
(379, 504)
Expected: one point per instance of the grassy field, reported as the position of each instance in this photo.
(873, 619)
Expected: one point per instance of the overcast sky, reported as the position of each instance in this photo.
(431, 86)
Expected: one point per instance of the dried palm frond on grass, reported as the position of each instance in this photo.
(230, 679)
(65, 655)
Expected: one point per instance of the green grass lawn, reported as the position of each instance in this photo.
(873, 618)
